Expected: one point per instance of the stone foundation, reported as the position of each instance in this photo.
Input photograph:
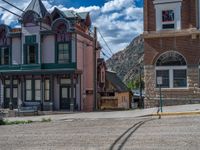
(171, 96)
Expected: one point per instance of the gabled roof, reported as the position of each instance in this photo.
(72, 14)
(69, 14)
(116, 81)
(83, 15)
(38, 7)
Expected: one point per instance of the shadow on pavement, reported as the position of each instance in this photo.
(121, 140)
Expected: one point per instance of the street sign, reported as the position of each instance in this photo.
(159, 80)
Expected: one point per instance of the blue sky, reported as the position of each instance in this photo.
(119, 21)
(86, 3)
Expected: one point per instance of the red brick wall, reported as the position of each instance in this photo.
(188, 15)
(150, 16)
(188, 47)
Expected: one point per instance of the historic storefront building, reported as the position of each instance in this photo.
(48, 61)
(172, 51)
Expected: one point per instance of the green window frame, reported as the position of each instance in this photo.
(5, 55)
(33, 90)
(30, 39)
(30, 50)
(63, 52)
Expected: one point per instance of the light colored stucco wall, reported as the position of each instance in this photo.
(85, 59)
(48, 49)
(85, 64)
(16, 51)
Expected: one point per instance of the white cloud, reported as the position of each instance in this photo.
(118, 20)
(114, 5)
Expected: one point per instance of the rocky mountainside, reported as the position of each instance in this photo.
(128, 61)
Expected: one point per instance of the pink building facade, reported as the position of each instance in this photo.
(49, 61)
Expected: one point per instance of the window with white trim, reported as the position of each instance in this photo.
(168, 21)
(171, 66)
(168, 14)
(33, 90)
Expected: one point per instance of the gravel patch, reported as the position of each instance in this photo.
(99, 134)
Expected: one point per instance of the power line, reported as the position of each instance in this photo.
(105, 42)
(12, 5)
(10, 12)
(40, 25)
(106, 51)
(105, 54)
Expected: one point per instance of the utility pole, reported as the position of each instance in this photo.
(141, 98)
(95, 69)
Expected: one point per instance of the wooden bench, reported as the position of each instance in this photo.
(27, 110)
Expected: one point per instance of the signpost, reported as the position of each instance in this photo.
(159, 82)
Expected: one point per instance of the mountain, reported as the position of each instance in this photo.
(128, 61)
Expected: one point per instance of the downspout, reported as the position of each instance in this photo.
(197, 14)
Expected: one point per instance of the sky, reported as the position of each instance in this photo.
(119, 21)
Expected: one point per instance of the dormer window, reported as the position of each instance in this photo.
(168, 14)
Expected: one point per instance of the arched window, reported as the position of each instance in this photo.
(171, 59)
(63, 41)
(30, 17)
(171, 67)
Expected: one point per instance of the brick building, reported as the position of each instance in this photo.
(172, 51)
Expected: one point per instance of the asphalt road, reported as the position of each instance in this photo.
(180, 133)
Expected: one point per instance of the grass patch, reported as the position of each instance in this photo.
(46, 120)
(2, 122)
(6, 122)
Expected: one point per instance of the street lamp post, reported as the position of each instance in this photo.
(159, 82)
(141, 98)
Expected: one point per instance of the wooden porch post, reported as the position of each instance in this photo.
(23, 89)
(52, 92)
(11, 93)
(72, 93)
(42, 92)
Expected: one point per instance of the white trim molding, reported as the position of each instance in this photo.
(166, 1)
(171, 75)
(174, 5)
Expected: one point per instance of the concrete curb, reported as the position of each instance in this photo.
(176, 113)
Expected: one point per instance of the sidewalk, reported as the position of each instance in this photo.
(180, 110)
(171, 110)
